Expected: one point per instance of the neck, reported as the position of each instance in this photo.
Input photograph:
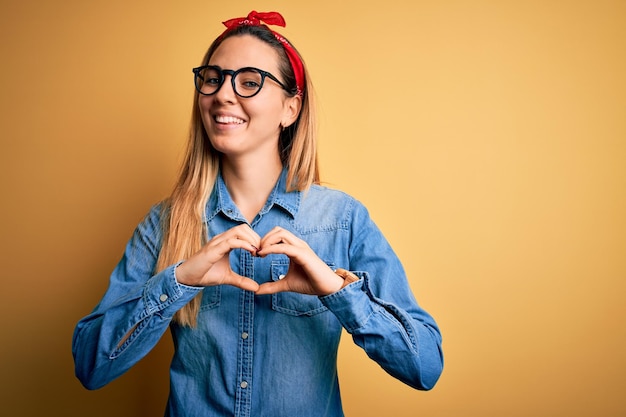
(250, 182)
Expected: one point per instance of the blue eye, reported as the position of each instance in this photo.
(249, 80)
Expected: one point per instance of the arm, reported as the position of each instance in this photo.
(133, 314)
(380, 312)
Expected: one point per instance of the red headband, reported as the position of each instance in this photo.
(272, 18)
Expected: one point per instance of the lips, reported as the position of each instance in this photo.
(230, 120)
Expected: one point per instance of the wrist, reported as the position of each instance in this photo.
(347, 276)
(182, 275)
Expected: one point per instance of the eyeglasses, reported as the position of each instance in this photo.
(247, 82)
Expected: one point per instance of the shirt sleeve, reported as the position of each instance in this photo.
(134, 312)
(381, 313)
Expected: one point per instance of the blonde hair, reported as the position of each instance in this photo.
(184, 230)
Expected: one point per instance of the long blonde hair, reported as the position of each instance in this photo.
(184, 230)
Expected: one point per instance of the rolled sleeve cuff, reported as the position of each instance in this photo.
(351, 305)
(165, 295)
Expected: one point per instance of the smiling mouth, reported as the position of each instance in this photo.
(229, 120)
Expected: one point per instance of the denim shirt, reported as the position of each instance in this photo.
(263, 355)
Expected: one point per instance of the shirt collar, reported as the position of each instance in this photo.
(221, 201)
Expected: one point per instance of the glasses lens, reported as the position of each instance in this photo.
(208, 80)
(248, 82)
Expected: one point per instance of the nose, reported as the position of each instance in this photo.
(226, 93)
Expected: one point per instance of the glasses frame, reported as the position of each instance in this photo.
(233, 74)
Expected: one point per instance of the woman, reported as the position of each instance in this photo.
(253, 265)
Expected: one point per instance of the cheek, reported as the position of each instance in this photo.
(269, 112)
(204, 103)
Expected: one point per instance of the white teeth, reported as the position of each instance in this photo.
(228, 119)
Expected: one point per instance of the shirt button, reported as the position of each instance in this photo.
(243, 384)
(244, 335)
(163, 297)
(281, 276)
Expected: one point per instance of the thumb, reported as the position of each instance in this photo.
(273, 287)
(242, 282)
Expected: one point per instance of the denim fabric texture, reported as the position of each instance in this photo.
(266, 355)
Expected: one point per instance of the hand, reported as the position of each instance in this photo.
(307, 273)
(211, 266)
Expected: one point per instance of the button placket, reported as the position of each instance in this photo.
(245, 355)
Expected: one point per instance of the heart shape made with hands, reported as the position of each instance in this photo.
(307, 273)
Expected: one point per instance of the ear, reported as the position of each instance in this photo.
(291, 110)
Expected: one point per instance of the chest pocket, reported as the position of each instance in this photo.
(292, 303)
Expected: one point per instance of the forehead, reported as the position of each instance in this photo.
(245, 51)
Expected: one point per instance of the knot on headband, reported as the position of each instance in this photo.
(255, 18)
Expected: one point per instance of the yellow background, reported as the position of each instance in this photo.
(488, 139)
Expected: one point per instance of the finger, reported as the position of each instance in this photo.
(278, 235)
(242, 282)
(247, 233)
(273, 287)
(236, 243)
(227, 241)
(280, 249)
(243, 232)
(277, 230)
(270, 236)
